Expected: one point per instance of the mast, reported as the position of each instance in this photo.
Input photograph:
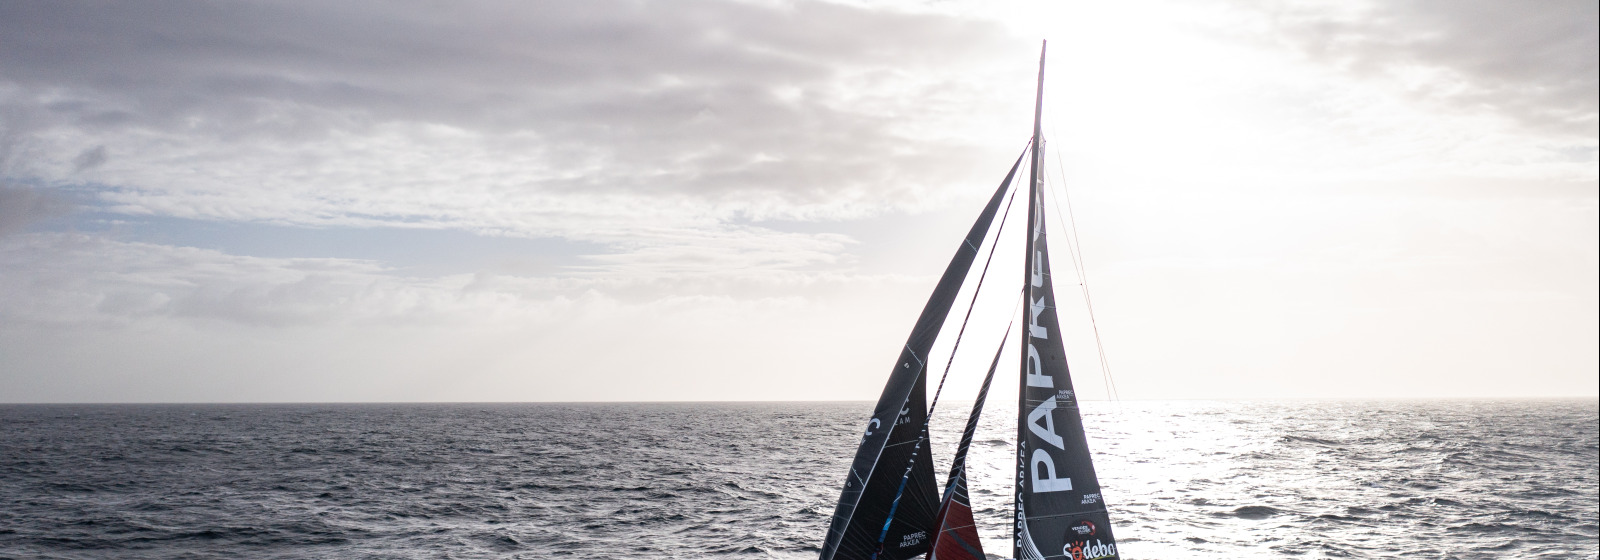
(1035, 174)
(1058, 508)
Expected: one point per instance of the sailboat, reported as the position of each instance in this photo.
(890, 507)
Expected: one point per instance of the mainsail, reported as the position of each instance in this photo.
(890, 507)
(885, 512)
(956, 537)
(1059, 511)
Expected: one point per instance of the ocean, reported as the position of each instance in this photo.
(1391, 479)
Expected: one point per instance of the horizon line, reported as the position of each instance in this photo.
(1592, 397)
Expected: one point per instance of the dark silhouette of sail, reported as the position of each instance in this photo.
(957, 535)
(1059, 510)
(862, 526)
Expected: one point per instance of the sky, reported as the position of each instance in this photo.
(751, 200)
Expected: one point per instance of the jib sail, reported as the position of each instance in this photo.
(957, 534)
(1059, 512)
(862, 527)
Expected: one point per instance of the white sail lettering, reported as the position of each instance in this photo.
(1035, 308)
(1035, 378)
(1047, 481)
(1038, 272)
(1047, 432)
(1038, 226)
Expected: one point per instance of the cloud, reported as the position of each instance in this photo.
(714, 180)
(84, 317)
(658, 130)
(89, 159)
(75, 279)
(22, 207)
(790, 109)
(1536, 64)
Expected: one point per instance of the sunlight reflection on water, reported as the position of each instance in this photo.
(1322, 479)
(1436, 480)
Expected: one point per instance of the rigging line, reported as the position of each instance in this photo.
(1083, 278)
(1025, 145)
(974, 302)
(1075, 250)
(1016, 307)
(1003, 339)
(923, 436)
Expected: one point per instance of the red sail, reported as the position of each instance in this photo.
(957, 537)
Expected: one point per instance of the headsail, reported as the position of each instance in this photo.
(1059, 511)
(858, 527)
(957, 534)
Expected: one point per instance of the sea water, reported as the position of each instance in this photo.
(1460, 479)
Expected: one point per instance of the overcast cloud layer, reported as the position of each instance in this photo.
(748, 200)
(560, 113)
(1535, 64)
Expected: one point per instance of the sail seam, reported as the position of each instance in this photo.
(920, 363)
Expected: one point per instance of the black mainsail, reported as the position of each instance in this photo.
(1059, 511)
(890, 507)
(884, 512)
